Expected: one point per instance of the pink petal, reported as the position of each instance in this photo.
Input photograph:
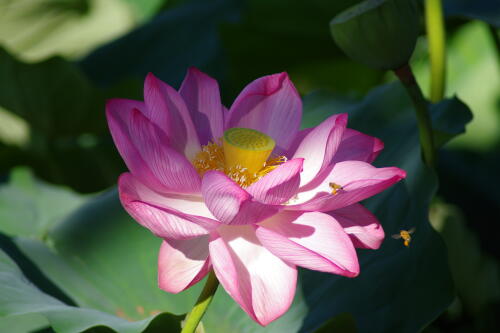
(319, 147)
(359, 180)
(167, 110)
(297, 141)
(271, 105)
(201, 95)
(358, 146)
(358, 222)
(312, 240)
(119, 114)
(279, 185)
(231, 204)
(167, 216)
(182, 263)
(169, 167)
(261, 283)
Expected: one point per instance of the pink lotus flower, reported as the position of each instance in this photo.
(253, 202)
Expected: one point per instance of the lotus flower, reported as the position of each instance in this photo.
(245, 192)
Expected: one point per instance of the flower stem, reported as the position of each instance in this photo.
(437, 48)
(406, 77)
(193, 318)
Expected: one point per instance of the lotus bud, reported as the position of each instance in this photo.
(379, 33)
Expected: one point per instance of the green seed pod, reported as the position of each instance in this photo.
(379, 33)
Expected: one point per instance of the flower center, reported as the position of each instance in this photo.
(246, 148)
(242, 154)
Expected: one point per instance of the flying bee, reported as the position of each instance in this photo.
(405, 235)
(335, 188)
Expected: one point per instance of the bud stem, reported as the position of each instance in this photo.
(193, 318)
(406, 77)
(437, 48)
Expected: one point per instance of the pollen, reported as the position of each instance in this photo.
(211, 157)
(244, 155)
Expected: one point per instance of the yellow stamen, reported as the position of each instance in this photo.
(242, 155)
(211, 157)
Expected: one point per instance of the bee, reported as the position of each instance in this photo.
(335, 188)
(405, 235)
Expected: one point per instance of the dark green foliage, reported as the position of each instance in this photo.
(69, 140)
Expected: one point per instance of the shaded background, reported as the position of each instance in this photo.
(61, 59)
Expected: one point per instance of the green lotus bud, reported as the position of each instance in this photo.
(379, 33)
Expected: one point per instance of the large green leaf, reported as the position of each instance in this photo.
(37, 29)
(31, 208)
(28, 209)
(19, 297)
(32, 322)
(442, 112)
(146, 8)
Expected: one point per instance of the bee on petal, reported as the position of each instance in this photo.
(405, 235)
(335, 188)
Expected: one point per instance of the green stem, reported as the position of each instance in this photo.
(193, 318)
(406, 77)
(437, 48)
